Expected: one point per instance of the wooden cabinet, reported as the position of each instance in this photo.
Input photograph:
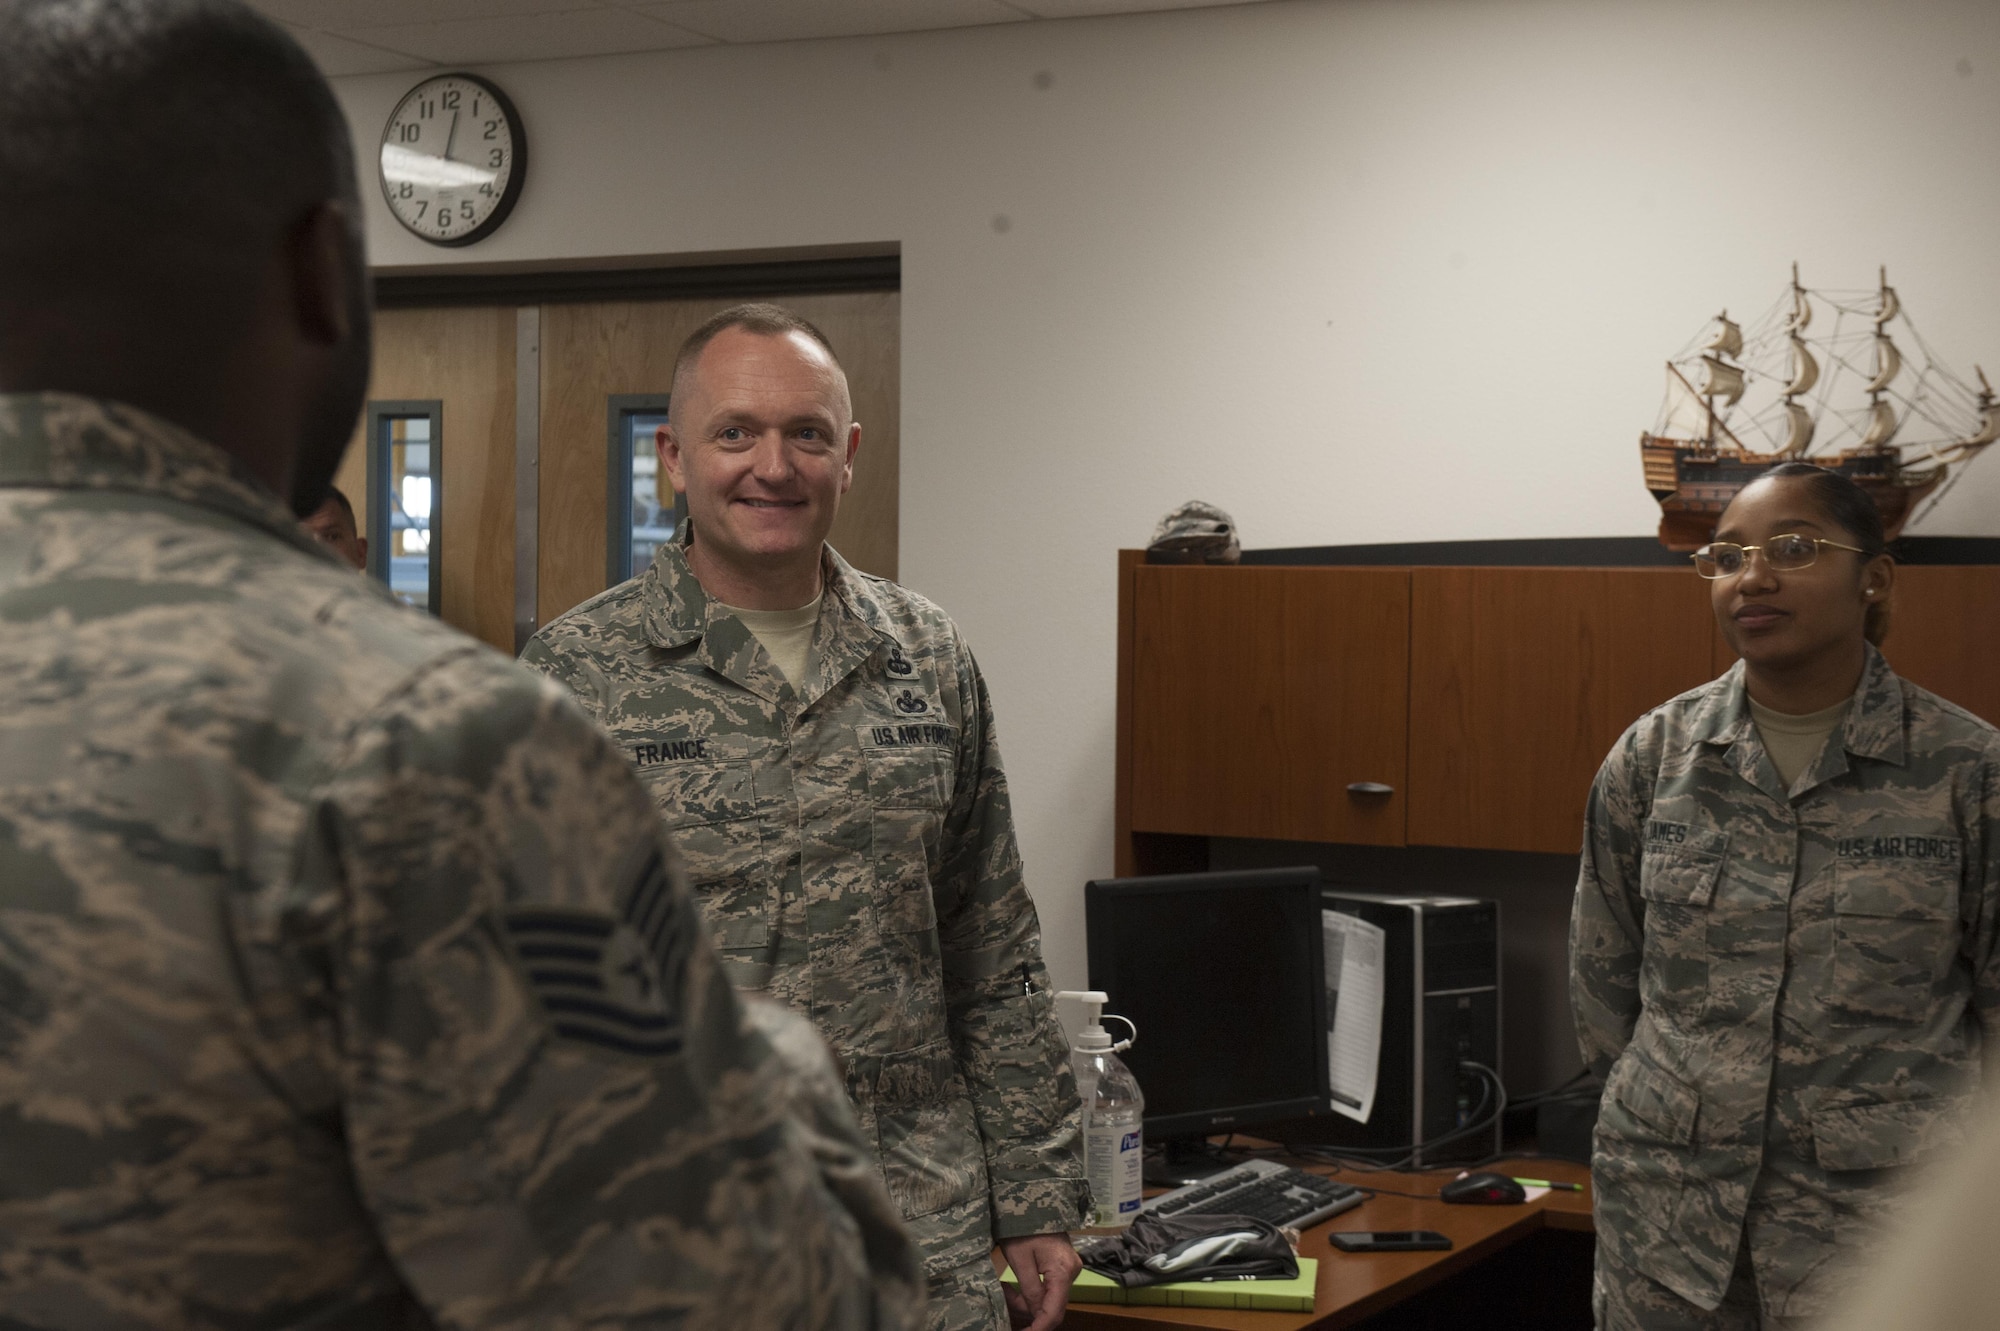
(1251, 698)
(1944, 633)
(1267, 694)
(1522, 678)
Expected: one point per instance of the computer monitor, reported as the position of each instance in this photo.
(1222, 975)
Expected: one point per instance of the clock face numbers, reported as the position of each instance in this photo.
(452, 159)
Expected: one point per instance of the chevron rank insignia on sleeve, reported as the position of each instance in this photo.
(600, 980)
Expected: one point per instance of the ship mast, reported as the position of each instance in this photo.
(1805, 373)
(1719, 377)
(1882, 424)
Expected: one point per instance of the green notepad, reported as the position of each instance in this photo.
(1291, 1296)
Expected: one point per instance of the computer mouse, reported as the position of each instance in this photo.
(1484, 1189)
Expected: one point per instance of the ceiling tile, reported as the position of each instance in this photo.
(789, 20)
(336, 56)
(1083, 8)
(346, 15)
(575, 32)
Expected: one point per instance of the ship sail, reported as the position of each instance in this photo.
(1988, 431)
(1989, 421)
(1799, 434)
(1805, 370)
(1728, 338)
(1888, 361)
(1720, 380)
(1801, 307)
(1891, 306)
(1882, 425)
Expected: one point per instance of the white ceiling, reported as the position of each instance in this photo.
(377, 36)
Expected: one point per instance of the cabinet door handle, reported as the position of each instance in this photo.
(1369, 788)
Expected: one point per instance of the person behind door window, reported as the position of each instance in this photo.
(333, 524)
(823, 746)
(347, 977)
(1783, 945)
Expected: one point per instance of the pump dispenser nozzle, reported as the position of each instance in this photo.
(1093, 1037)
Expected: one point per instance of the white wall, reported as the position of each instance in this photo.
(1357, 270)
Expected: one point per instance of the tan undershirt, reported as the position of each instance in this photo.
(786, 634)
(1795, 741)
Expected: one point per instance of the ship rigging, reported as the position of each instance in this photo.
(1837, 378)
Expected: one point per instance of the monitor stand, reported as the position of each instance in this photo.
(1185, 1160)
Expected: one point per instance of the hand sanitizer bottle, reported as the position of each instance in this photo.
(1112, 1109)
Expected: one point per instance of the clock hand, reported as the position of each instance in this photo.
(449, 135)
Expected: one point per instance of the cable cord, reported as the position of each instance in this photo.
(1584, 1085)
(1365, 1158)
(1391, 1192)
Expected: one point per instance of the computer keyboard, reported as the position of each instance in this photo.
(1264, 1189)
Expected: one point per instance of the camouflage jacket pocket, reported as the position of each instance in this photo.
(1678, 884)
(1641, 1164)
(1883, 1135)
(1657, 1107)
(932, 1154)
(711, 809)
(1895, 933)
(908, 790)
(911, 775)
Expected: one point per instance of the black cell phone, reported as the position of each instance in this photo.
(1389, 1240)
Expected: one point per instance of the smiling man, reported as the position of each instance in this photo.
(822, 743)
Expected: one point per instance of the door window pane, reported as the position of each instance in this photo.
(644, 512)
(409, 445)
(404, 499)
(652, 498)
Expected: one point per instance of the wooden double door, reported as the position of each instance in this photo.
(567, 365)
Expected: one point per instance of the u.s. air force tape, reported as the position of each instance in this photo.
(606, 981)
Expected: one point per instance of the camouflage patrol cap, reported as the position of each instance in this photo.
(1195, 533)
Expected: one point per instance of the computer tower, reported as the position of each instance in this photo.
(1440, 1011)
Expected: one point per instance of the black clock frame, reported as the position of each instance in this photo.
(517, 174)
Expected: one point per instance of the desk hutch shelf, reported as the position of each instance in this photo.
(1380, 696)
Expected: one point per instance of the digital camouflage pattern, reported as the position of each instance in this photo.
(1624, 1300)
(1788, 992)
(854, 853)
(346, 977)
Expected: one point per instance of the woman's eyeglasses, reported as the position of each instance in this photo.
(1724, 559)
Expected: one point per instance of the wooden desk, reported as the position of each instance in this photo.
(1355, 1286)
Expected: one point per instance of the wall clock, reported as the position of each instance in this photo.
(453, 159)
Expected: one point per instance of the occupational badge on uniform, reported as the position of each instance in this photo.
(613, 983)
(909, 704)
(898, 664)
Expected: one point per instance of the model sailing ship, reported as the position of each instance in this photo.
(1845, 395)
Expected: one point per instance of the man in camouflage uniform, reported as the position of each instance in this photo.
(346, 976)
(1789, 992)
(839, 798)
